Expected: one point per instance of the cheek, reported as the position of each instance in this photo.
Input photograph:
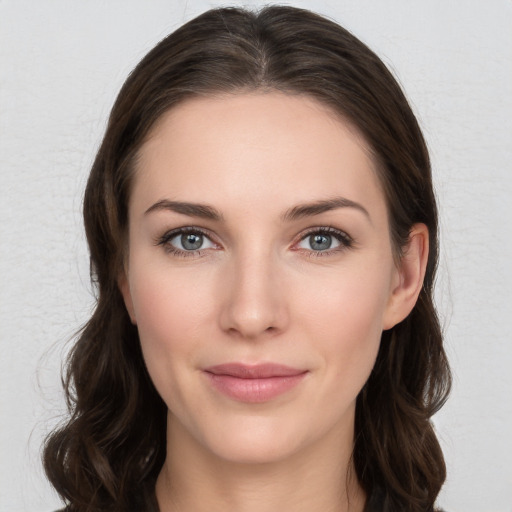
(343, 319)
(168, 302)
(170, 310)
(349, 303)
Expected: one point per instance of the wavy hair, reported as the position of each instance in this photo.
(110, 450)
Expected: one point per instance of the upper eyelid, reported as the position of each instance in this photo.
(323, 229)
(304, 232)
(187, 229)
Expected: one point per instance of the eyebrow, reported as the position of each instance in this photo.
(205, 211)
(316, 208)
(202, 211)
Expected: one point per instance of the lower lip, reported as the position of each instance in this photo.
(254, 390)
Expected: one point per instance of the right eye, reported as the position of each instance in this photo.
(186, 242)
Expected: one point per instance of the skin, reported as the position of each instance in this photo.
(258, 291)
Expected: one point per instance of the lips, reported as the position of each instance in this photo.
(253, 383)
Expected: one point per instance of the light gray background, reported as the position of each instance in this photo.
(61, 64)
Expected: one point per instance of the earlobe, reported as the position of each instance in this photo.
(411, 272)
(124, 288)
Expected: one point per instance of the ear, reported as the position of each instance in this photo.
(409, 277)
(124, 288)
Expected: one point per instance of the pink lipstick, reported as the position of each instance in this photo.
(254, 383)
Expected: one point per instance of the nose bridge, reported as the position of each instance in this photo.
(255, 302)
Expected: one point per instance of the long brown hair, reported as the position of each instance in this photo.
(113, 444)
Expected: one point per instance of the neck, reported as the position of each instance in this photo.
(319, 479)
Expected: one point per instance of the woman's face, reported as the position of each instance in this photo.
(260, 273)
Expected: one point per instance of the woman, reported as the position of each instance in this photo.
(263, 235)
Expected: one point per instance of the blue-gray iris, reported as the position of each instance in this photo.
(320, 242)
(191, 241)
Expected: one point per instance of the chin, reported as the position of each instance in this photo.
(254, 441)
(256, 450)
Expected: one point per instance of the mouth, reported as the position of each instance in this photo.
(253, 383)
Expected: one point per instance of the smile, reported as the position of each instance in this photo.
(254, 384)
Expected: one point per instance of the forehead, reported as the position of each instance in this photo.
(262, 149)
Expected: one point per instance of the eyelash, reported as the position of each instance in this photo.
(169, 235)
(346, 241)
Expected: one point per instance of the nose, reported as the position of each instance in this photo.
(254, 300)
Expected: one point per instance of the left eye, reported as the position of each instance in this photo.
(321, 241)
(190, 241)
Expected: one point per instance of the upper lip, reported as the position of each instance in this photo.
(256, 371)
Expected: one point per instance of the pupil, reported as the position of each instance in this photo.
(191, 241)
(320, 242)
